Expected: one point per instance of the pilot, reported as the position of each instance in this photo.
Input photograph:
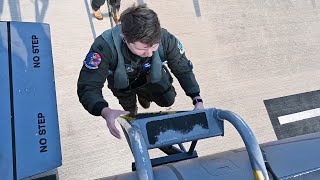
(133, 58)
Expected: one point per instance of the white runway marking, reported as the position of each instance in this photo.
(299, 116)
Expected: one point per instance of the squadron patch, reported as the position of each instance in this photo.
(92, 61)
(180, 47)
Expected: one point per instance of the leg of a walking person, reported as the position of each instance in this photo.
(96, 4)
(115, 3)
(115, 7)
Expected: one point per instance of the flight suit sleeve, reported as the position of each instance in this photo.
(178, 63)
(93, 77)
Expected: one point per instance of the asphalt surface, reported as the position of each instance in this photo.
(244, 52)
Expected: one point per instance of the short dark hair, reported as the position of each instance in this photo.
(139, 23)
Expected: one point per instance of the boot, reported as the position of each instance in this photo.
(144, 102)
(97, 14)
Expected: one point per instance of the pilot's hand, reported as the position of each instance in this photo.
(110, 116)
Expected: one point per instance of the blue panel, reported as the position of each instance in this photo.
(228, 165)
(6, 165)
(290, 158)
(36, 119)
(293, 156)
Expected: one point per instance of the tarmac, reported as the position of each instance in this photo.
(243, 52)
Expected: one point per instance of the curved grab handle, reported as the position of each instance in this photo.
(255, 155)
(139, 151)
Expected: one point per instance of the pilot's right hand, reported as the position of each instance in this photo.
(110, 116)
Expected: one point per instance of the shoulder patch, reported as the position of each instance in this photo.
(92, 61)
(180, 47)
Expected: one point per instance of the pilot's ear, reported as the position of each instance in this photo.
(123, 38)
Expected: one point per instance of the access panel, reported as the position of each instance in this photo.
(29, 130)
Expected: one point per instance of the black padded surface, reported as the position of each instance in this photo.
(182, 124)
(292, 104)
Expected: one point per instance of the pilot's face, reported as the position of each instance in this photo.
(141, 49)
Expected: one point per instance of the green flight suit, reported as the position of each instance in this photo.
(92, 78)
